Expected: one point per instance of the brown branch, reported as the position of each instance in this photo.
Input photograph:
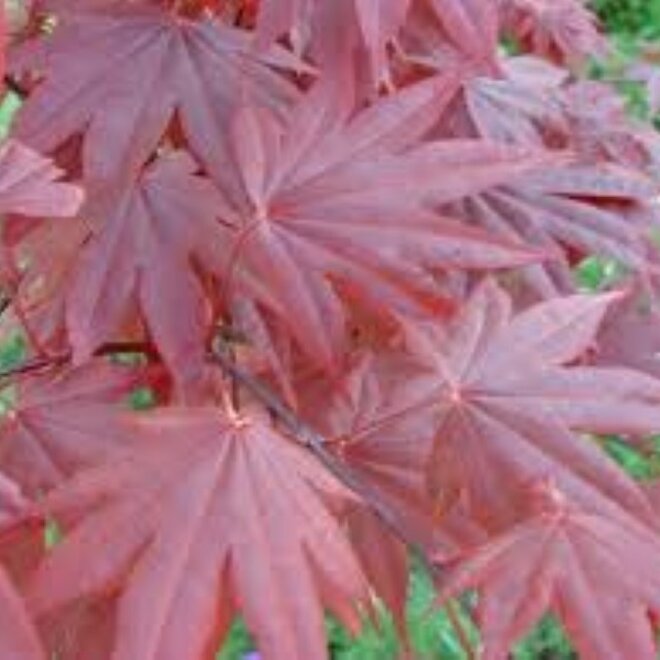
(47, 361)
(317, 445)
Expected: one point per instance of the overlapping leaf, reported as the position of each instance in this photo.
(234, 190)
(595, 210)
(142, 256)
(507, 400)
(494, 393)
(29, 184)
(205, 516)
(352, 197)
(19, 640)
(63, 420)
(575, 563)
(121, 76)
(561, 30)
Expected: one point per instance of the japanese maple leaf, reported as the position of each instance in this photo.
(18, 638)
(594, 209)
(351, 196)
(562, 30)
(575, 562)
(513, 100)
(453, 33)
(506, 383)
(119, 77)
(602, 130)
(350, 414)
(143, 251)
(63, 420)
(504, 398)
(630, 334)
(29, 184)
(335, 27)
(203, 516)
(361, 420)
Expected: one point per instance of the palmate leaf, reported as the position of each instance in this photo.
(491, 404)
(602, 209)
(507, 404)
(18, 640)
(29, 184)
(120, 75)
(142, 256)
(334, 29)
(574, 562)
(367, 425)
(352, 196)
(565, 31)
(205, 515)
(513, 100)
(62, 420)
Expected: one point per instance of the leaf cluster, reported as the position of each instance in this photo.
(292, 286)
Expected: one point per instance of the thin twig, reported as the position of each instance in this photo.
(316, 444)
(34, 364)
(40, 362)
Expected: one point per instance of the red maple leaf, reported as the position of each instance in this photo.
(574, 562)
(204, 516)
(561, 30)
(352, 196)
(98, 65)
(29, 184)
(62, 421)
(498, 397)
(508, 397)
(142, 256)
(19, 639)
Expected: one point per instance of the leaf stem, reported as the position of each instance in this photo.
(454, 616)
